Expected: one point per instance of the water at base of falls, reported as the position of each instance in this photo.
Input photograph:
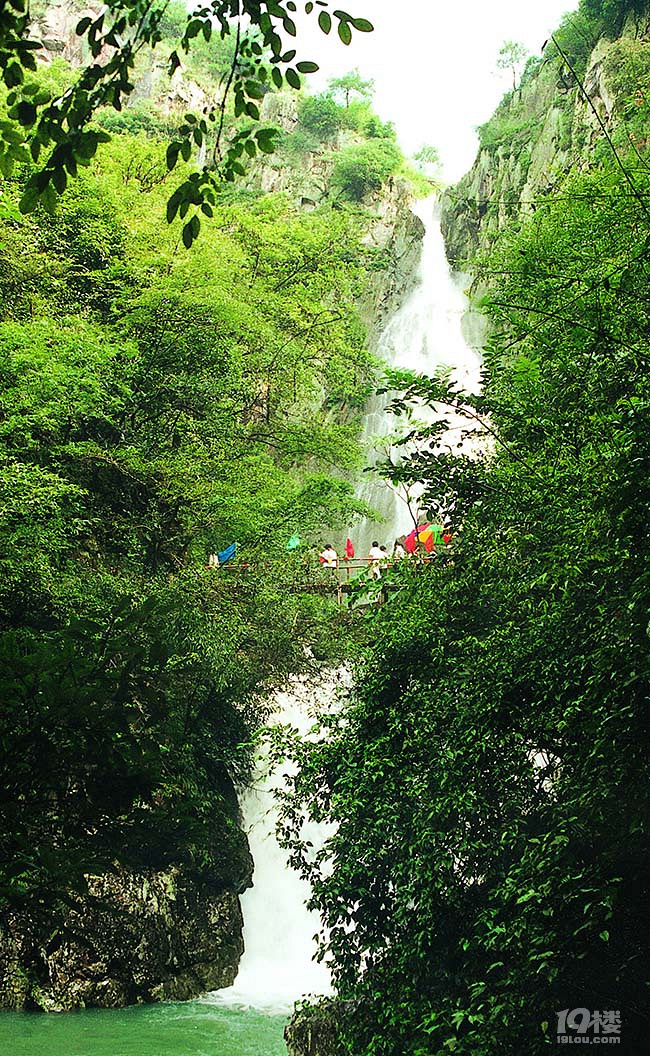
(193, 1028)
(277, 968)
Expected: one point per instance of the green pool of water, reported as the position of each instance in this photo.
(194, 1028)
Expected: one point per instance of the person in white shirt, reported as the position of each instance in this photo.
(375, 556)
(329, 557)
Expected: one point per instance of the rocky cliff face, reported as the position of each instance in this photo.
(54, 26)
(398, 234)
(133, 938)
(55, 29)
(391, 228)
(543, 130)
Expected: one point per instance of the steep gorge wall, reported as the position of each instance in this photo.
(545, 129)
(390, 226)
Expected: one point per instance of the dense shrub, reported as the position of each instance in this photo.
(363, 168)
(576, 37)
(320, 116)
(612, 13)
(141, 117)
(375, 128)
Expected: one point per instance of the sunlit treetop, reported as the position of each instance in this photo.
(351, 84)
(55, 132)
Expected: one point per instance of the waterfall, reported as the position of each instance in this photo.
(278, 967)
(434, 328)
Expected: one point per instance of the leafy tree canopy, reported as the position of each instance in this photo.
(428, 159)
(512, 57)
(158, 404)
(54, 132)
(350, 84)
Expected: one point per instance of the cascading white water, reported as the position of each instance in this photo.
(278, 967)
(434, 328)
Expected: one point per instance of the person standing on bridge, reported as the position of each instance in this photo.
(329, 557)
(375, 556)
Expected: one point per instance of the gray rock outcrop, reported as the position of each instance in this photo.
(315, 1030)
(133, 938)
(548, 127)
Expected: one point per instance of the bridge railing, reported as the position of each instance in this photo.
(310, 573)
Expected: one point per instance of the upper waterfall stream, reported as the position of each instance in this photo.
(434, 328)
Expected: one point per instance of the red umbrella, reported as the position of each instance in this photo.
(422, 535)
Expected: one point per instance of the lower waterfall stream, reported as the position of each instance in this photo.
(434, 327)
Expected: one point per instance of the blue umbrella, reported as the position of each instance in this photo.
(227, 555)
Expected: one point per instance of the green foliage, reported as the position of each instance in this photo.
(139, 117)
(173, 19)
(349, 85)
(420, 185)
(128, 747)
(56, 132)
(156, 405)
(356, 115)
(611, 14)
(530, 70)
(428, 155)
(359, 170)
(628, 71)
(487, 783)
(506, 130)
(320, 116)
(627, 68)
(375, 128)
(512, 57)
(576, 38)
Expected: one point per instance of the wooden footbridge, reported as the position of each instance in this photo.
(369, 580)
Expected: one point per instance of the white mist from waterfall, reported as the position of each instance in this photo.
(434, 328)
(278, 966)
